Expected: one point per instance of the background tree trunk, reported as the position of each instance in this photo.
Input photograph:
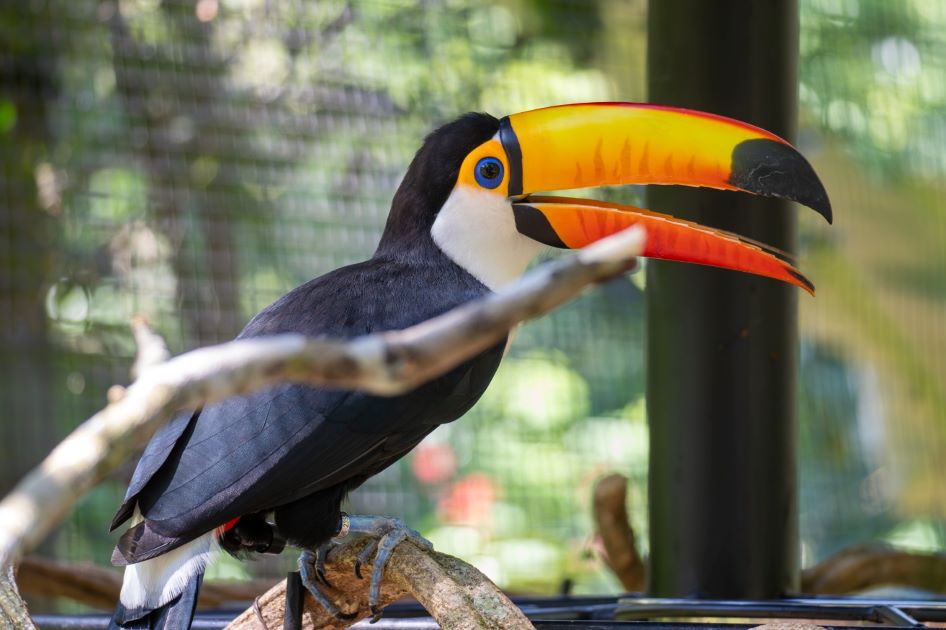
(204, 259)
(27, 85)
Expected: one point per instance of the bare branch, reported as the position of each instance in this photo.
(99, 587)
(13, 613)
(617, 536)
(152, 350)
(866, 566)
(86, 583)
(851, 570)
(454, 593)
(385, 363)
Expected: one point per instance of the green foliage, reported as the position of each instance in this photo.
(871, 71)
(7, 115)
(872, 87)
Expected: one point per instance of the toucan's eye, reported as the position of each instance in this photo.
(489, 172)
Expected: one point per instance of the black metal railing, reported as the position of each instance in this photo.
(644, 613)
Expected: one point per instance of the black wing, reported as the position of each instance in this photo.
(253, 453)
(153, 457)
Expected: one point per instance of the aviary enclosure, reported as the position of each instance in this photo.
(192, 160)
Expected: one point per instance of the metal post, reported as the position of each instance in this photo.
(295, 602)
(722, 349)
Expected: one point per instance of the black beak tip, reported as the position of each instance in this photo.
(773, 169)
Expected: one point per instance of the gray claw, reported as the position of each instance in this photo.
(387, 534)
(375, 614)
(385, 548)
(365, 556)
(307, 563)
(320, 555)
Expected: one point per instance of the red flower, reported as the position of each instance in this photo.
(434, 463)
(469, 501)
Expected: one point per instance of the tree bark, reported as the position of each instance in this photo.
(13, 613)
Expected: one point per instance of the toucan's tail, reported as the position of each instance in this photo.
(177, 614)
(161, 593)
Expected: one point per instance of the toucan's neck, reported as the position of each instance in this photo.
(474, 230)
(477, 230)
(407, 231)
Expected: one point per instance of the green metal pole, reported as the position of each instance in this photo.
(722, 346)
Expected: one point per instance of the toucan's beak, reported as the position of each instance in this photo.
(600, 144)
(574, 223)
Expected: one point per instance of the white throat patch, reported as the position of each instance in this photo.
(476, 230)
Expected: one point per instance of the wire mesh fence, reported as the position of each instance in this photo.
(193, 159)
(873, 369)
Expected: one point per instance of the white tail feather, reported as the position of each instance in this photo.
(152, 583)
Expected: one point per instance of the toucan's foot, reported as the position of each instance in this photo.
(387, 534)
(312, 571)
(321, 553)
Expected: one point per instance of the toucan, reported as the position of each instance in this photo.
(256, 472)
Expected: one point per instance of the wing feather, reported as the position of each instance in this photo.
(259, 451)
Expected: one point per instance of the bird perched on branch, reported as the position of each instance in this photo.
(253, 473)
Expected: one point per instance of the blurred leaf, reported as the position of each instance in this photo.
(7, 115)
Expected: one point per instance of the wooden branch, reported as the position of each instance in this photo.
(455, 594)
(99, 587)
(865, 566)
(616, 533)
(13, 612)
(152, 349)
(85, 583)
(385, 363)
(852, 570)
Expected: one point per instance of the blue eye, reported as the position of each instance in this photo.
(489, 172)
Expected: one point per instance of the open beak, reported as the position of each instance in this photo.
(600, 144)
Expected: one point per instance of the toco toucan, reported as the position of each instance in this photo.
(254, 472)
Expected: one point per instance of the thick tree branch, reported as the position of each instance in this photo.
(13, 612)
(454, 593)
(385, 363)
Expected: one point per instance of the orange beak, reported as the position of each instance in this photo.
(599, 144)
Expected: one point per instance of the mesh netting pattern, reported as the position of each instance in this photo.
(194, 159)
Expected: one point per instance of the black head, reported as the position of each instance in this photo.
(431, 177)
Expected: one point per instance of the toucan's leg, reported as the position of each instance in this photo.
(308, 562)
(388, 534)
